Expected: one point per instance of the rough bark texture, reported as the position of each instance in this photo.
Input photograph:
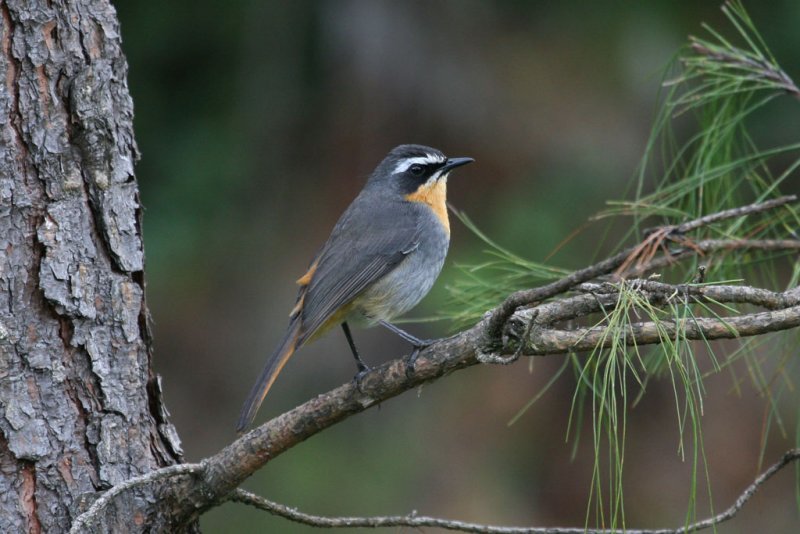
(79, 408)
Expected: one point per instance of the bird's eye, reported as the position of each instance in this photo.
(416, 170)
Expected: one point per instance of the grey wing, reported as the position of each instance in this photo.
(365, 245)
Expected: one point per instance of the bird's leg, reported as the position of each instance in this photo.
(417, 343)
(363, 368)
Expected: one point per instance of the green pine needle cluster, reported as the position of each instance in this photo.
(714, 88)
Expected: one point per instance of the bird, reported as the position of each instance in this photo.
(382, 257)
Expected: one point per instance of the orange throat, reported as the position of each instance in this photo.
(435, 196)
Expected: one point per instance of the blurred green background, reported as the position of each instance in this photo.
(258, 122)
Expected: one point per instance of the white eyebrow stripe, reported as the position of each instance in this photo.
(403, 165)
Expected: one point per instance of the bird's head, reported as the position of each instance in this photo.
(410, 169)
(418, 174)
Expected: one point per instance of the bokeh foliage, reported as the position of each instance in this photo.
(258, 121)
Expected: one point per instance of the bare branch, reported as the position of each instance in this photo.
(83, 521)
(216, 477)
(789, 457)
(222, 473)
(413, 520)
(529, 296)
(657, 292)
(784, 314)
(734, 213)
(711, 245)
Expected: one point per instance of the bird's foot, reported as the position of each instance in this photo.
(363, 370)
(418, 346)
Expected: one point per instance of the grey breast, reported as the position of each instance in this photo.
(403, 287)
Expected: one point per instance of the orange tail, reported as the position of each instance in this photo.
(268, 375)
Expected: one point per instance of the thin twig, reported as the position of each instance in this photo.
(738, 294)
(784, 313)
(413, 520)
(734, 213)
(85, 519)
(711, 245)
(789, 457)
(221, 473)
(529, 296)
(656, 238)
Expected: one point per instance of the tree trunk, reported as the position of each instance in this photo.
(81, 409)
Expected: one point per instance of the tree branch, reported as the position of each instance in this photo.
(711, 245)
(734, 213)
(784, 314)
(216, 477)
(413, 520)
(529, 296)
(194, 488)
(85, 520)
(227, 469)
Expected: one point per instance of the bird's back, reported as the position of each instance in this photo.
(373, 237)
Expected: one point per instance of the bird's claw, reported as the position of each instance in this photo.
(412, 358)
(363, 370)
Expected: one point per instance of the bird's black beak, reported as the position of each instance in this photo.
(452, 163)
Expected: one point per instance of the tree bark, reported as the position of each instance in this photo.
(80, 408)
